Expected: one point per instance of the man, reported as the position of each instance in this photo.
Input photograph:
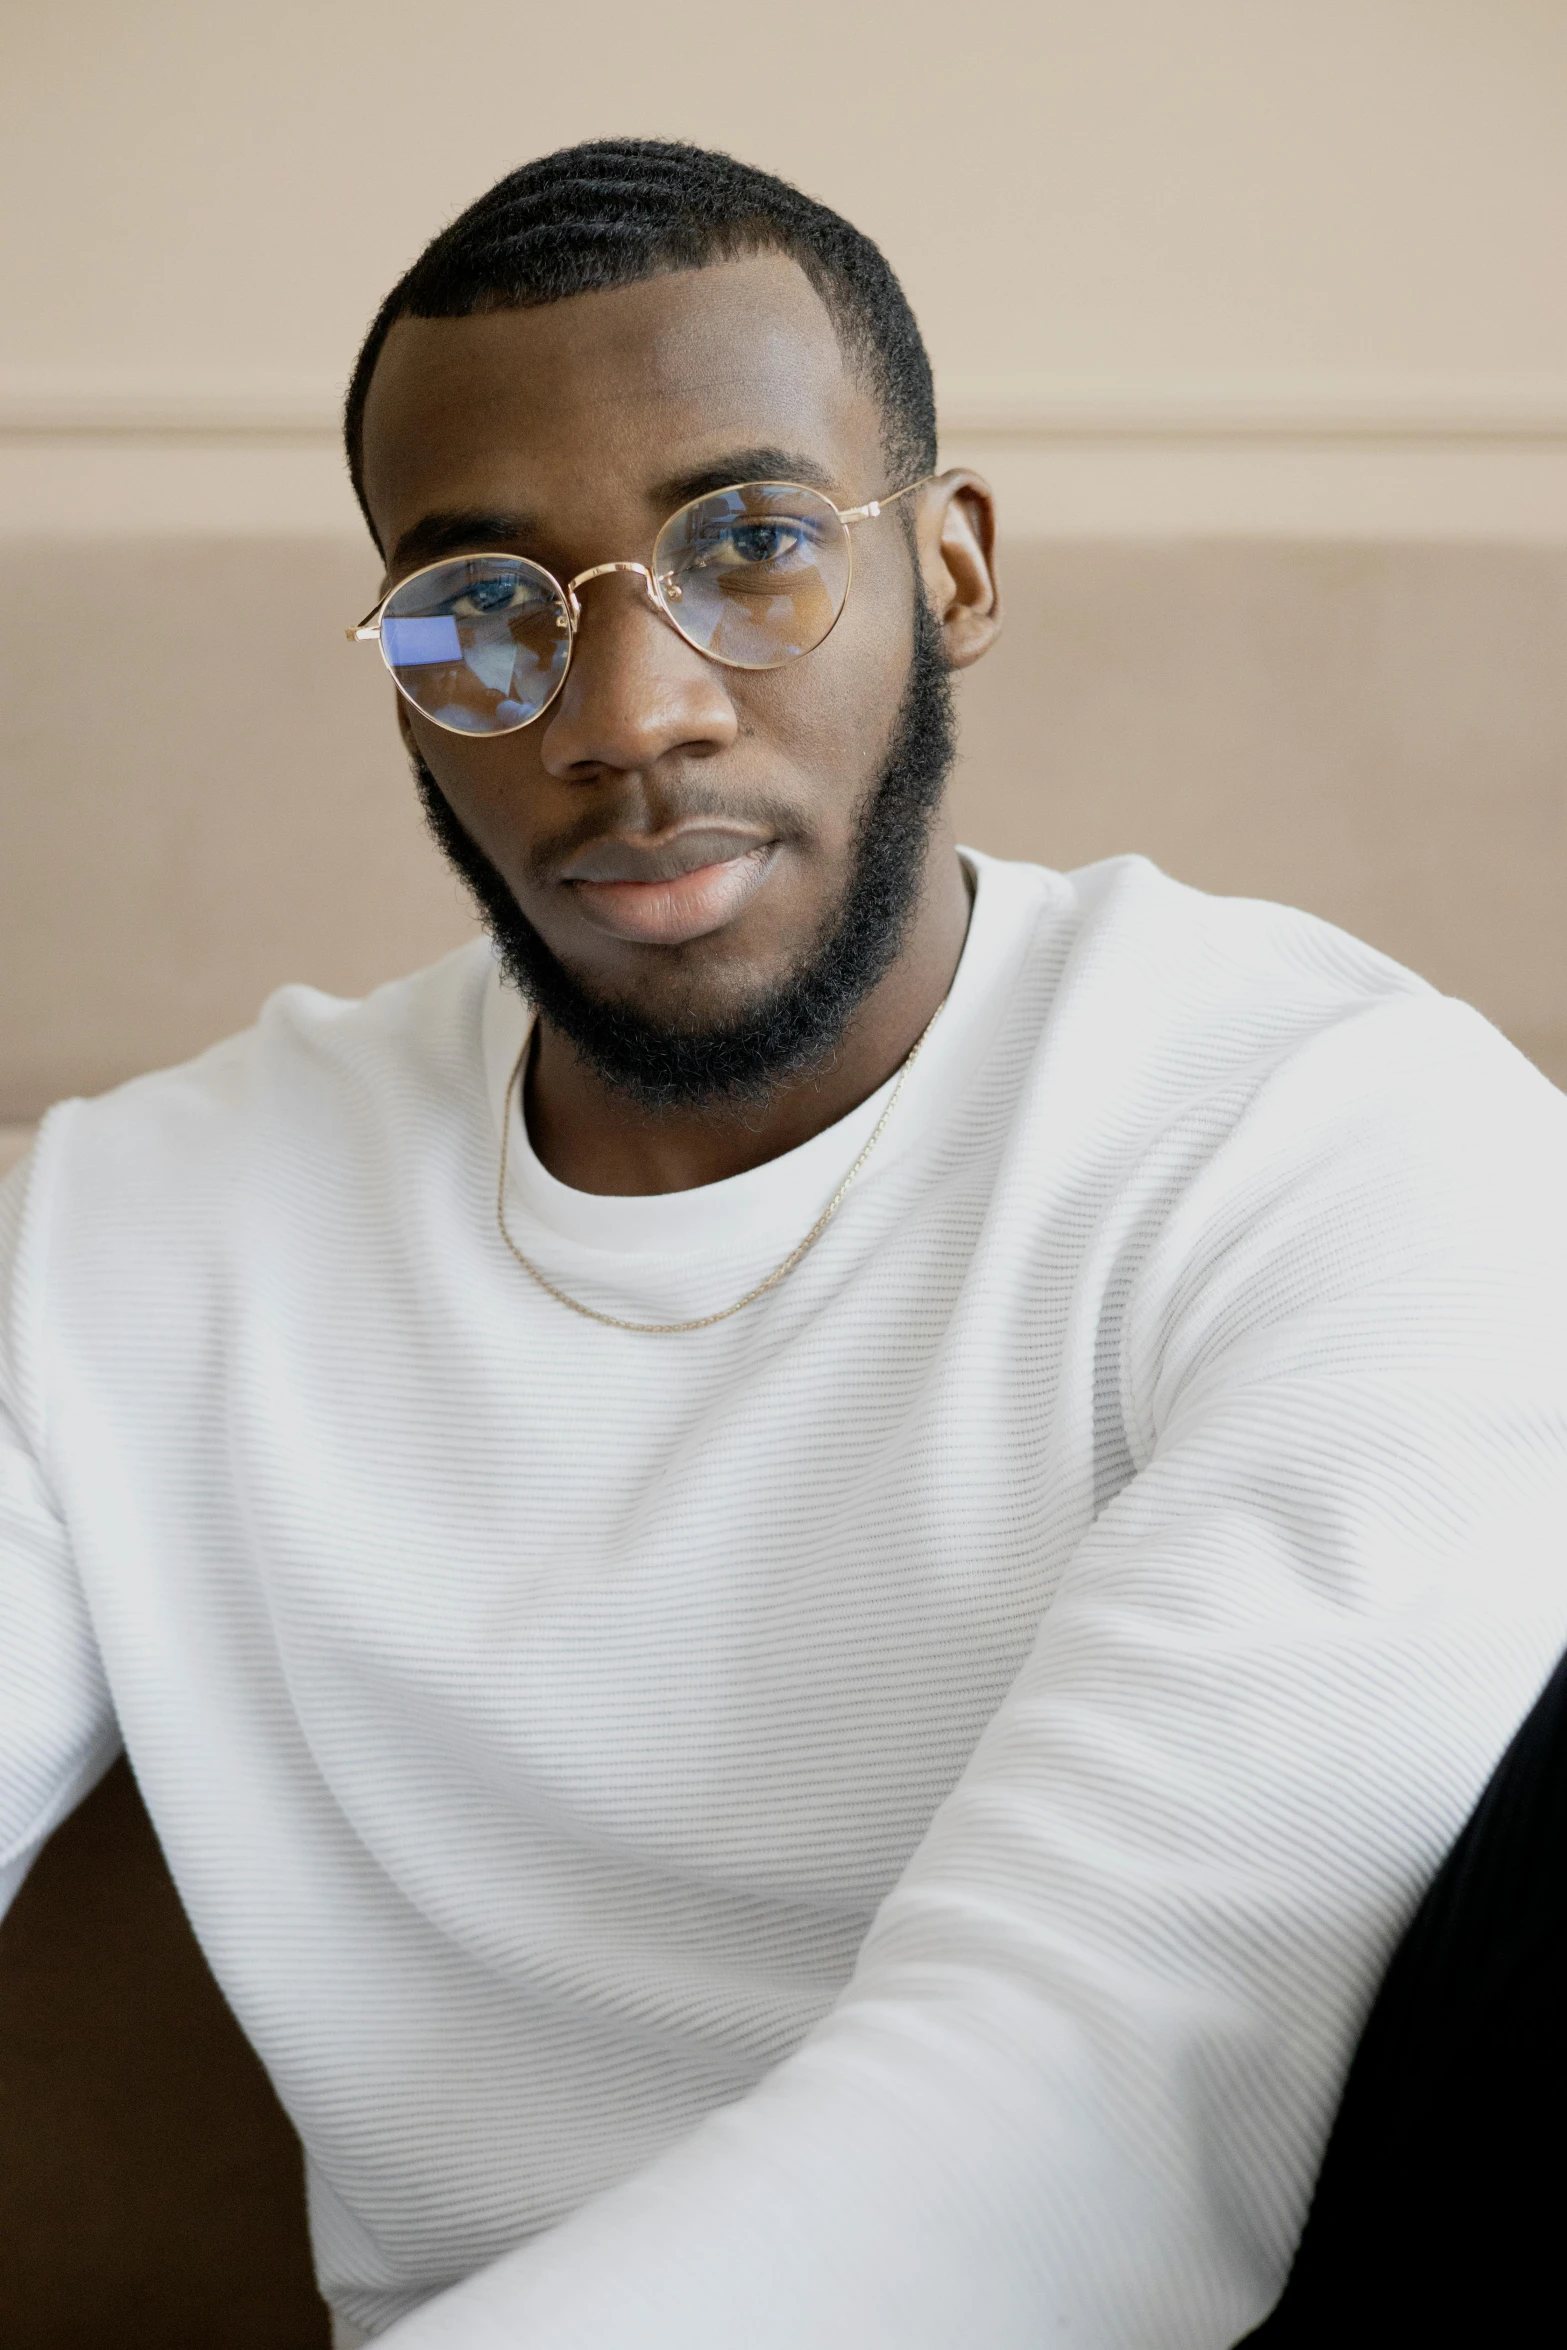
(805, 1572)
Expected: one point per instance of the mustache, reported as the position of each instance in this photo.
(795, 1022)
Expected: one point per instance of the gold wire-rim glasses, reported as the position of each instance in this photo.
(654, 587)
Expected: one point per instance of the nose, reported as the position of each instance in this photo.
(635, 690)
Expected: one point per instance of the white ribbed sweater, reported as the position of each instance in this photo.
(873, 1826)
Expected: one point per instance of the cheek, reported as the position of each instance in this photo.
(497, 790)
(828, 719)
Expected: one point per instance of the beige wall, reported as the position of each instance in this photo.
(1147, 193)
(1253, 309)
(1184, 265)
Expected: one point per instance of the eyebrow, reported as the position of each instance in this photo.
(459, 531)
(470, 530)
(737, 465)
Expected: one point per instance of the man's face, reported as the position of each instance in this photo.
(679, 834)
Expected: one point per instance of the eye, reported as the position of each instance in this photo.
(764, 542)
(757, 542)
(483, 598)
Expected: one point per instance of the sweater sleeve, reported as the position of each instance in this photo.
(1077, 2088)
(57, 1729)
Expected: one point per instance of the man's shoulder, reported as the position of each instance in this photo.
(1155, 1003)
(1151, 967)
(1149, 919)
(1147, 927)
(1195, 984)
(312, 1070)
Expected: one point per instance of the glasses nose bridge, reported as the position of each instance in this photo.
(598, 571)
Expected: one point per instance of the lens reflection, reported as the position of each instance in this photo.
(755, 575)
(479, 644)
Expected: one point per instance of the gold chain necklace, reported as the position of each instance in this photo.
(779, 1272)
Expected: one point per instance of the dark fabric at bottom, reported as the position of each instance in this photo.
(1440, 2213)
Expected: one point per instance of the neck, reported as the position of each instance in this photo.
(589, 1136)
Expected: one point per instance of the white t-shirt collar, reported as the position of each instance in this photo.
(789, 1191)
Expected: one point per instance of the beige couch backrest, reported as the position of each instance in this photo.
(211, 799)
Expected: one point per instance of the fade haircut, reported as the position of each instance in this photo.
(615, 211)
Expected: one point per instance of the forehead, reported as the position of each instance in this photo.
(606, 395)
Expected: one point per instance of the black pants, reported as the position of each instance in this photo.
(1440, 2213)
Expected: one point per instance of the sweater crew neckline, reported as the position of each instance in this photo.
(791, 1190)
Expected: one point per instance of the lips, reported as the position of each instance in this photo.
(666, 893)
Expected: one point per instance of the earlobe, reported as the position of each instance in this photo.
(957, 534)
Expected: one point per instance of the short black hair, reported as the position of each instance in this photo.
(614, 211)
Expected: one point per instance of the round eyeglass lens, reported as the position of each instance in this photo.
(479, 644)
(754, 576)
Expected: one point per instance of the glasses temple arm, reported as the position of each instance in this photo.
(370, 627)
(874, 506)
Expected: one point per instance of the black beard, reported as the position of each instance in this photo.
(796, 1027)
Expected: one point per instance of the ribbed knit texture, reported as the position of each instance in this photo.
(873, 1826)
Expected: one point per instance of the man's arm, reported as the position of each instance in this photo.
(57, 1731)
(1077, 2088)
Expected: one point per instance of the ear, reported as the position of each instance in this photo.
(956, 529)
